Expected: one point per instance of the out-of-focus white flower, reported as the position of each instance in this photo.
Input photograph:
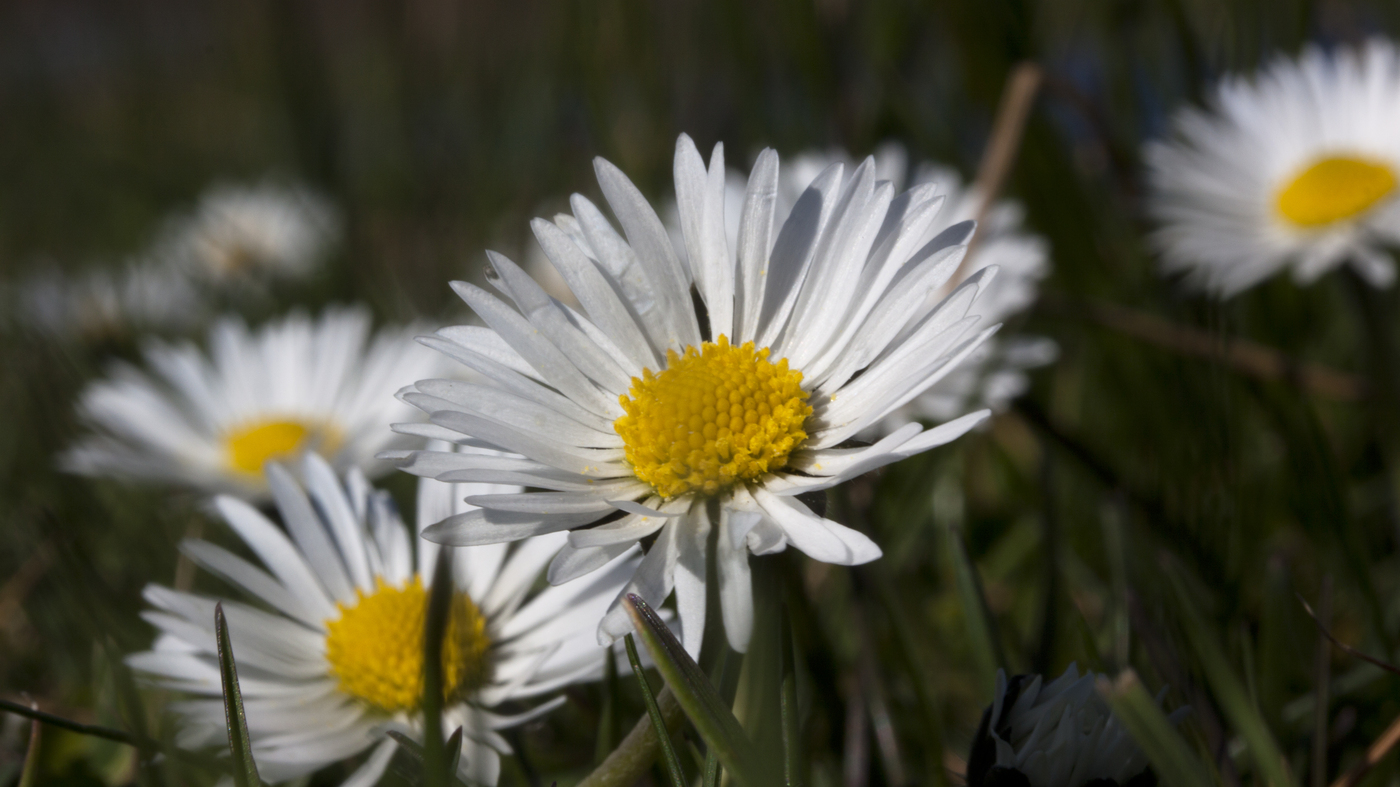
(1056, 734)
(1296, 168)
(995, 374)
(105, 302)
(242, 231)
(294, 385)
(645, 415)
(331, 657)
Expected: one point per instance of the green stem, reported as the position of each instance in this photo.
(632, 758)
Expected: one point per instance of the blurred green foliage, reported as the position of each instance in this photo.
(440, 127)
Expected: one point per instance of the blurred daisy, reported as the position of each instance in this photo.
(105, 302)
(645, 415)
(239, 231)
(1055, 734)
(292, 386)
(1295, 168)
(331, 657)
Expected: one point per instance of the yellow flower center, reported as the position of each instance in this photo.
(375, 647)
(1333, 189)
(252, 445)
(717, 415)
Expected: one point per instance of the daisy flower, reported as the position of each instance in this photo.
(237, 230)
(996, 373)
(330, 655)
(643, 414)
(294, 385)
(1294, 168)
(1056, 734)
(105, 302)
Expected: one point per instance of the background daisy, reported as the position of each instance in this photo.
(293, 385)
(1295, 168)
(245, 231)
(329, 652)
(641, 411)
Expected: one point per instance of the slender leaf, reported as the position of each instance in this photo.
(1172, 760)
(28, 776)
(607, 721)
(1229, 691)
(245, 771)
(703, 705)
(435, 772)
(668, 749)
(987, 654)
(792, 747)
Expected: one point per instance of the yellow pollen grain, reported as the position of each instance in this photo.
(1334, 189)
(717, 415)
(375, 647)
(250, 446)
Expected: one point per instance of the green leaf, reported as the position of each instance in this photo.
(245, 771)
(30, 773)
(668, 749)
(792, 746)
(1175, 764)
(702, 704)
(435, 758)
(1229, 691)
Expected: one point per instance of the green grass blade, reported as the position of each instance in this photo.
(607, 715)
(668, 749)
(1230, 692)
(981, 635)
(1172, 759)
(245, 771)
(29, 775)
(792, 747)
(435, 773)
(702, 704)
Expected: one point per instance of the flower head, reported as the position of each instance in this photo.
(330, 651)
(240, 231)
(1056, 734)
(293, 386)
(1296, 168)
(644, 414)
(996, 373)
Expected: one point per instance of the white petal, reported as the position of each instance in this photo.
(735, 584)
(820, 538)
(755, 241)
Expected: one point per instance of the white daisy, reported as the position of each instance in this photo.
(1296, 167)
(1056, 734)
(330, 656)
(212, 422)
(106, 302)
(239, 230)
(995, 374)
(644, 415)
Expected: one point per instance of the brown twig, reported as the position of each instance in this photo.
(856, 761)
(1347, 649)
(1374, 755)
(1005, 142)
(1242, 355)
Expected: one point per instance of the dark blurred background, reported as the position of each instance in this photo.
(439, 128)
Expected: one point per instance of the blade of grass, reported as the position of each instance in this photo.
(1172, 760)
(1322, 669)
(633, 757)
(668, 749)
(435, 773)
(245, 771)
(977, 616)
(792, 745)
(702, 704)
(1230, 693)
(30, 774)
(607, 715)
